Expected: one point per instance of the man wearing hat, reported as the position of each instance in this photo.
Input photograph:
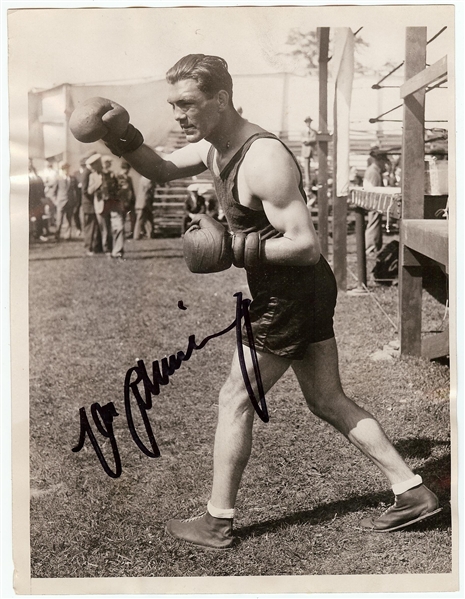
(308, 151)
(103, 186)
(65, 199)
(374, 178)
(92, 242)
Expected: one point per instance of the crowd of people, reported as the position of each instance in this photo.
(102, 207)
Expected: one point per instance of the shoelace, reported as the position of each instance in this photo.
(391, 507)
(194, 518)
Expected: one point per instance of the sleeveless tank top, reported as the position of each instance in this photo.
(239, 217)
(273, 280)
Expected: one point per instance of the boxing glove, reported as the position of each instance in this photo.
(246, 250)
(99, 118)
(207, 246)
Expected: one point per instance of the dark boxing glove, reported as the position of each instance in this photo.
(207, 246)
(99, 118)
(246, 250)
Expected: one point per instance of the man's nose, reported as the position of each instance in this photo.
(178, 114)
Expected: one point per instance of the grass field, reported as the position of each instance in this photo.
(305, 488)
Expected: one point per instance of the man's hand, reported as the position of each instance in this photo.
(207, 245)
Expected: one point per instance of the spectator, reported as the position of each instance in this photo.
(308, 151)
(194, 204)
(144, 216)
(374, 178)
(212, 207)
(65, 194)
(103, 186)
(127, 197)
(36, 205)
(49, 177)
(92, 238)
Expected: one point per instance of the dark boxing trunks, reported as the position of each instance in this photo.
(291, 308)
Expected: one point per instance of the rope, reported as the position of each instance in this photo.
(376, 85)
(370, 293)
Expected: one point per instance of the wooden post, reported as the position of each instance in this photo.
(284, 134)
(339, 222)
(361, 248)
(413, 190)
(323, 43)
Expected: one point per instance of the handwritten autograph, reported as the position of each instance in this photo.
(103, 416)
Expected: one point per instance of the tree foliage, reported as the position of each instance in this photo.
(304, 47)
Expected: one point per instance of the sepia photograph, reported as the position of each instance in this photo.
(233, 298)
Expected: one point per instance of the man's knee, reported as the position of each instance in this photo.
(340, 411)
(234, 399)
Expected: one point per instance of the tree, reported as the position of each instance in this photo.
(304, 47)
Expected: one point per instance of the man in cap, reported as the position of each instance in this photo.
(103, 186)
(92, 242)
(373, 178)
(308, 152)
(65, 198)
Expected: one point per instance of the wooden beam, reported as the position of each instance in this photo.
(323, 137)
(424, 78)
(435, 346)
(340, 241)
(413, 150)
(429, 238)
(410, 288)
(361, 247)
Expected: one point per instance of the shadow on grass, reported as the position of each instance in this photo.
(329, 511)
(127, 257)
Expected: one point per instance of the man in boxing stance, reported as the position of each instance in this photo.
(259, 187)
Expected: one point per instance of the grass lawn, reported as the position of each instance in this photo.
(305, 488)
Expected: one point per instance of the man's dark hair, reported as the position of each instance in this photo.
(210, 72)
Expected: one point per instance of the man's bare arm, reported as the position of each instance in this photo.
(271, 176)
(159, 167)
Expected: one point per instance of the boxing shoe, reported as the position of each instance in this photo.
(412, 506)
(204, 530)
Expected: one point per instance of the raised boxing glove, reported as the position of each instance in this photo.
(207, 246)
(99, 118)
(246, 250)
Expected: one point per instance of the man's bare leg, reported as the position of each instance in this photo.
(233, 439)
(233, 443)
(318, 376)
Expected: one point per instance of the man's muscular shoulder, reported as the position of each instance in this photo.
(269, 165)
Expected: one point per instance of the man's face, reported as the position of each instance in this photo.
(196, 113)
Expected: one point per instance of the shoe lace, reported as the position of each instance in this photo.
(391, 507)
(195, 517)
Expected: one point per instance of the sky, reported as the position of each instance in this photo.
(69, 45)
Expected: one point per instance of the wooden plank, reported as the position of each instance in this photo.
(435, 346)
(413, 152)
(410, 287)
(361, 247)
(428, 237)
(323, 209)
(339, 221)
(424, 78)
(340, 241)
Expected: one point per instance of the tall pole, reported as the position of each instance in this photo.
(323, 43)
(339, 221)
(413, 191)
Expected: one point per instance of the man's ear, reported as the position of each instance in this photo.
(223, 99)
